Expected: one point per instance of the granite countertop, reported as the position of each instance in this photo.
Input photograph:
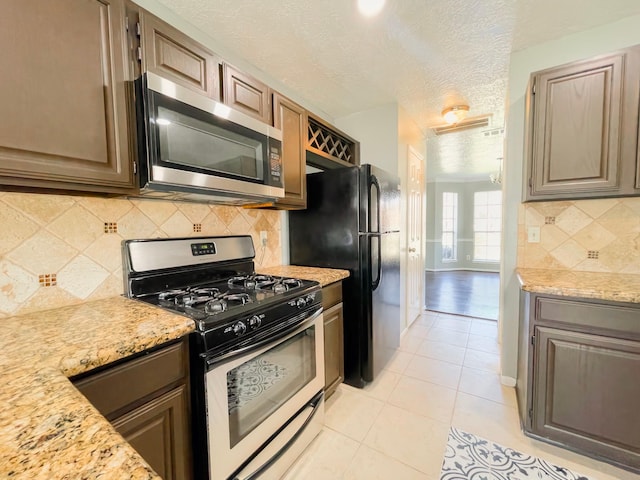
(617, 287)
(325, 276)
(48, 430)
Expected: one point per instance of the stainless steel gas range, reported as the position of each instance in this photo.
(257, 366)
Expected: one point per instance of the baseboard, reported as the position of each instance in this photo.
(508, 381)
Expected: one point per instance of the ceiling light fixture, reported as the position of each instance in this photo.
(369, 8)
(455, 114)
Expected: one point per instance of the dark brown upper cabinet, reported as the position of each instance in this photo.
(64, 96)
(171, 54)
(290, 118)
(582, 125)
(245, 94)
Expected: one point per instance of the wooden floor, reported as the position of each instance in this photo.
(463, 292)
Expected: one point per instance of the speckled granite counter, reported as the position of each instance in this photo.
(604, 286)
(325, 276)
(48, 430)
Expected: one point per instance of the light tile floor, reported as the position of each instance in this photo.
(445, 373)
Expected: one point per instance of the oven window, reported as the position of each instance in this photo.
(258, 387)
(186, 140)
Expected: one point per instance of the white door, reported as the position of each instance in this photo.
(415, 255)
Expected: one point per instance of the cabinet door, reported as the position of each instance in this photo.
(173, 55)
(586, 393)
(290, 118)
(63, 96)
(576, 129)
(159, 431)
(246, 94)
(333, 349)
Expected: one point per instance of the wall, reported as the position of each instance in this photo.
(581, 45)
(465, 191)
(60, 250)
(377, 132)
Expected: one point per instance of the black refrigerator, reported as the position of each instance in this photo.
(352, 222)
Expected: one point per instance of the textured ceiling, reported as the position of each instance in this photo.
(422, 54)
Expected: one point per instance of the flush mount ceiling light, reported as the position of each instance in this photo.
(369, 8)
(455, 114)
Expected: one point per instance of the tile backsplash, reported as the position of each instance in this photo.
(58, 250)
(600, 235)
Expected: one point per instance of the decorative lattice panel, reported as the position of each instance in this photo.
(330, 143)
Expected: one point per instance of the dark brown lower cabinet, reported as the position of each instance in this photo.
(157, 430)
(333, 337)
(146, 398)
(584, 364)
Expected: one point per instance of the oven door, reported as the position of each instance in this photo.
(276, 388)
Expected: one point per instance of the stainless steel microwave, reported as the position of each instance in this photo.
(194, 148)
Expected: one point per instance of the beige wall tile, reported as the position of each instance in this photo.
(158, 212)
(65, 235)
(41, 208)
(178, 225)
(16, 228)
(569, 254)
(609, 226)
(16, 286)
(597, 208)
(594, 236)
(78, 227)
(572, 220)
(43, 253)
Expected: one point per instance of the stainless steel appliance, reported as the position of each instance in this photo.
(192, 147)
(352, 221)
(257, 357)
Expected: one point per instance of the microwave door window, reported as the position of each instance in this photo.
(185, 140)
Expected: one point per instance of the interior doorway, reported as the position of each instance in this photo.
(462, 271)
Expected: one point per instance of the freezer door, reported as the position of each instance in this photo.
(383, 301)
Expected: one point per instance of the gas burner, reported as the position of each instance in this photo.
(250, 282)
(281, 285)
(222, 303)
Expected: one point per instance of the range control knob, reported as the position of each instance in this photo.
(310, 299)
(254, 322)
(301, 303)
(239, 328)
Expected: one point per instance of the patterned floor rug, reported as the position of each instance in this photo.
(473, 458)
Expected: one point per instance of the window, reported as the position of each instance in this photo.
(449, 226)
(487, 222)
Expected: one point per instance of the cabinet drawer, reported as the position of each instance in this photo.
(128, 384)
(331, 295)
(606, 318)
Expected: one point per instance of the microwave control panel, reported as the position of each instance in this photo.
(275, 161)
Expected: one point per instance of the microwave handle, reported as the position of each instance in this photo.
(288, 332)
(291, 429)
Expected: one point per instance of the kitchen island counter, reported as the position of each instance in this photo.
(48, 430)
(616, 287)
(325, 276)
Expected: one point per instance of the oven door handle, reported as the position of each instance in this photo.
(293, 430)
(291, 331)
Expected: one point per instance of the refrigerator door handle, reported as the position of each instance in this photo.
(374, 183)
(375, 281)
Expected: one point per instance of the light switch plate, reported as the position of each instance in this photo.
(533, 234)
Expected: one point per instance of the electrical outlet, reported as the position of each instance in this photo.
(468, 257)
(533, 234)
(263, 237)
